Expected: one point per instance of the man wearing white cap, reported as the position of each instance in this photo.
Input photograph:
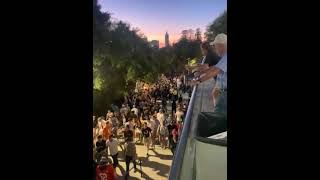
(219, 71)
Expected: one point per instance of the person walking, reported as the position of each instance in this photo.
(146, 132)
(170, 127)
(154, 124)
(101, 148)
(160, 116)
(105, 171)
(135, 110)
(127, 133)
(113, 147)
(107, 130)
(114, 125)
(174, 106)
(130, 155)
(175, 139)
(163, 134)
(179, 114)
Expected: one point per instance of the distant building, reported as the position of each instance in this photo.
(167, 40)
(145, 39)
(154, 44)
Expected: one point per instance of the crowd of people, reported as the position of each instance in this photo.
(151, 115)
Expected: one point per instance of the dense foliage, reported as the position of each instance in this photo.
(219, 25)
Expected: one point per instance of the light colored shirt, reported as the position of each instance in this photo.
(131, 125)
(179, 115)
(124, 110)
(222, 76)
(113, 146)
(135, 110)
(179, 83)
(160, 117)
(100, 132)
(109, 115)
(103, 123)
(153, 125)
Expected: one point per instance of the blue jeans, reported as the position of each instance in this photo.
(221, 102)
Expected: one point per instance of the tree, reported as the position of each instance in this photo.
(191, 34)
(219, 25)
(198, 34)
(101, 27)
(122, 55)
(184, 34)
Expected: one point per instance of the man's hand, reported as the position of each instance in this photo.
(194, 82)
(197, 74)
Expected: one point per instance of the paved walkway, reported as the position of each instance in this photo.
(155, 166)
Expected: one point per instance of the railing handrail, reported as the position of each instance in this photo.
(179, 153)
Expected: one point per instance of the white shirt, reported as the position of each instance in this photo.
(179, 83)
(99, 125)
(179, 115)
(100, 132)
(135, 111)
(153, 125)
(160, 117)
(130, 125)
(102, 124)
(113, 146)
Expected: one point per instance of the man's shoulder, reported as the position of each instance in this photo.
(224, 57)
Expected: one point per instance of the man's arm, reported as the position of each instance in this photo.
(206, 74)
(198, 67)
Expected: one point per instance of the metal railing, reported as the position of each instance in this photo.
(179, 153)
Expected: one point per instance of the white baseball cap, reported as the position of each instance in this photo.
(220, 39)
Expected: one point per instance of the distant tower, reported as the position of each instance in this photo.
(167, 40)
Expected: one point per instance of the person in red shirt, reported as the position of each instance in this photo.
(105, 170)
(175, 135)
(179, 126)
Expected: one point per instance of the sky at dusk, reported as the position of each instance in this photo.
(155, 17)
